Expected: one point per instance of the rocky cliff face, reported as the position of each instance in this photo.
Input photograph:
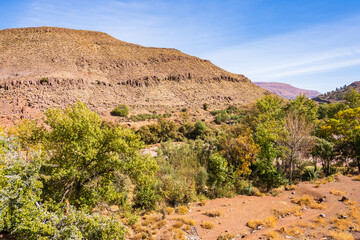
(53, 67)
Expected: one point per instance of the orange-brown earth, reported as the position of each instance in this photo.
(53, 67)
(238, 211)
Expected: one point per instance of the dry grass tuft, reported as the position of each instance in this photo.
(308, 201)
(337, 192)
(341, 224)
(341, 235)
(150, 220)
(207, 225)
(256, 192)
(291, 187)
(160, 224)
(356, 178)
(292, 231)
(214, 213)
(182, 210)
(186, 221)
(270, 221)
(202, 203)
(296, 211)
(254, 223)
(179, 234)
(227, 236)
(319, 221)
(273, 235)
(169, 210)
(178, 225)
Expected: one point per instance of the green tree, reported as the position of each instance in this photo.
(344, 130)
(325, 151)
(240, 152)
(87, 159)
(352, 98)
(269, 134)
(25, 214)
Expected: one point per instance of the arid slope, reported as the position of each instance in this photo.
(52, 67)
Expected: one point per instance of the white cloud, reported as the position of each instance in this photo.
(323, 48)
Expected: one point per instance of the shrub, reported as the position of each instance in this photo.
(120, 111)
(214, 213)
(207, 225)
(217, 168)
(222, 117)
(205, 106)
(44, 80)
(24, 214)
(146, 195)
(89, 162)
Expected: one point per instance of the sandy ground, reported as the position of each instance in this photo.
(239, 210)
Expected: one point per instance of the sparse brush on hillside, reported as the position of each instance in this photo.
(120, 111)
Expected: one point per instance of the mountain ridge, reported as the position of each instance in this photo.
(53, 67)
(286, 90)
(338, 95)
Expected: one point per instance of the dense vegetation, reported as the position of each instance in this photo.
(56, 176)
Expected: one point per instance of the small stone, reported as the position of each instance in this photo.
(288, 237)
(344, 199)
(259, 227)
(343, 217)
(230, 209)
(321, 200)
(322, 215)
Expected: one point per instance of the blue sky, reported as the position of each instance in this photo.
(312, 44)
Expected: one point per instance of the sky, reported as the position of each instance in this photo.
(311, 44)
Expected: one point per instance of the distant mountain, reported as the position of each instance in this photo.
(338, 94)
(286, 90)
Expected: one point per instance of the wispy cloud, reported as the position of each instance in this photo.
(322, 48)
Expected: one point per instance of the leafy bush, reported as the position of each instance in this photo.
(179, 168)
(120, 111)
(222, 117)
(162, 131)
(88, 162)
(218, 171)
(146, 195)
(26, 215)
(205, 106)
(266, 175)
(44, 80)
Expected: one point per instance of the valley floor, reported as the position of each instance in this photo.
(338, 219)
